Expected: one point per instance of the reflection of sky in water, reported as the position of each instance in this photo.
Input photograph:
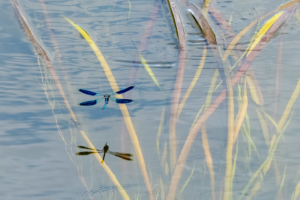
(38, 164)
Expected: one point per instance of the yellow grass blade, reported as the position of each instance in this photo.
(200, 111)
(193, 83)
(289, 105)
(271, 120)
(281, 184)
(234, 162)
(230, 19)
(205, 7)
(252, 90)
(250, 141)
(264, 127)
(256, 187)
(264, 29)
(241, 114)
(297, 14)
(164, 155)
(296, 192)
(123, 107)
(254, 176)
(256, 99)
(147, 67)
(266, 163)
(230, 141)
(247, 28)
(188, 180)
(209, 160)
(211, 88)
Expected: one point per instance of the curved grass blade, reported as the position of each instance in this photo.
(125, 90)
(252, 90)
(210, 37)
(193, 83)
(221, 20)
(177, 23)
(194, 131)
(273, 145)
(234, 162)
(255, 97)
(247, 28)
(250, 141)
(147, 32)
(123, 107)
(149, 70)
(264, 29)
(290, 104)
(296, 192)
(241, 114)
(208, 160)
(297, 15)
(281, 184)
(203, 24)
(198, 114)
(230, 141)
(266, 164)
(188, 180)
(89, 92)
(226, 26)
(264, 127)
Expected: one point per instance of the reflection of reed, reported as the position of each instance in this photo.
(178, 84)
(240, 123)
(123, 107)
(48, 87)
(47, 61)
(193, 132)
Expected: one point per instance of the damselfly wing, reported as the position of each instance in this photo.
(125, 156)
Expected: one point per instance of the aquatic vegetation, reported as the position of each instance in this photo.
(253, 133)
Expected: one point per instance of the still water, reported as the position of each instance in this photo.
(39, 136)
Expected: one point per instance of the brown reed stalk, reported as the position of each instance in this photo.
(48, 63)
(194, 81)
(123, 107)
(194, 131)
(225, 25)
(230, 141)
(178, 83)
(209, 160)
